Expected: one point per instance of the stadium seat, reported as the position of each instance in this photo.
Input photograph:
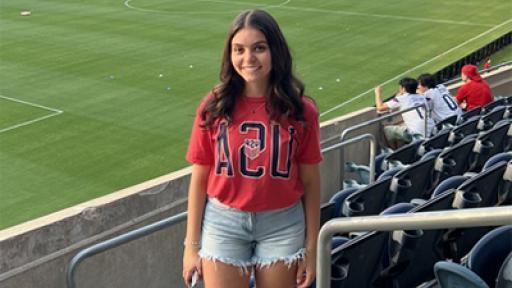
(488, 120)
(398, 209)
(370, 200)
(447, 122)
(415, 267)
(467, 128)
(438, 141)
(327, 212)
(489, 143)
(504, 279)
(486, 183)
(358, 262)
(488, 254)
(449, 183)
(452, 275)
(454, 160)
(508, 112)
(389, 173)
(339, 198)
(432, 153)
(505, 194)
(406, 154)
(414, 181)
(500, 157)
(496, 103)
(469, 114)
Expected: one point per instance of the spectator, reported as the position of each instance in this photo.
(475, 92)
(440, 102)
(487, 64)
(414, 120)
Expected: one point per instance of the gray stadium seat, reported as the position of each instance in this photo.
(447, 122)
(406, 154)
(454, 161)
(370, 200)
(452, 275)
(488, 120)
(488, 144)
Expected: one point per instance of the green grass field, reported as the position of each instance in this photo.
(99, 95)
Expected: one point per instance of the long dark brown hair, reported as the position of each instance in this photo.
(285, 90)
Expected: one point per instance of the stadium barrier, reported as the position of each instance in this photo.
(176, 219)
(453, 70)
(470, 217)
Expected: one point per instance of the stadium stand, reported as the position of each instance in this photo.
(381, 258)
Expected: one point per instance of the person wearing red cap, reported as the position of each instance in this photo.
(475, 92)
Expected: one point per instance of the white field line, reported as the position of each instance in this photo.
(127, 4)
(306, 9)
(55, 113)
(414, 68)
(420, 19)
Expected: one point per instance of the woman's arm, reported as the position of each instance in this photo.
(310, 177)
(196, 203)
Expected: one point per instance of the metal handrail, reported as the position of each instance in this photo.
(385, 117)
(470, 217)
(117, 241)
(373, 151)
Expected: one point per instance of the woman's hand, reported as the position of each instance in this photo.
(191, 263)
(307, 270)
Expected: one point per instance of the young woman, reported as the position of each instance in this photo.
(254, 195)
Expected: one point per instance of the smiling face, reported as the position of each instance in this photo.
(251, 58)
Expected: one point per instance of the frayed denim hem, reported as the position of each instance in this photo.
(245, 266)
(288, 260)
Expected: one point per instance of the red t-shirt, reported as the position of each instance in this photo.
(254, 162)
(476, 94)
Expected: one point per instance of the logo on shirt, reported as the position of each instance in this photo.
(252, 148)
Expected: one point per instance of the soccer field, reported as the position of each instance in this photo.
(99, 95)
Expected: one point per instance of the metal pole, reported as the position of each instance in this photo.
(471, 217)
(117, 241)
(373, 151)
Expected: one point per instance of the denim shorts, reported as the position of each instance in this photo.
(246, 239)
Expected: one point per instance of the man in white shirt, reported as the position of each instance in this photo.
(441, 103)
(414, 120)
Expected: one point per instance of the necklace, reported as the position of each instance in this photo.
(250, 106)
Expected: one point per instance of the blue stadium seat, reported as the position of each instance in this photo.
(414, 266)
(505, 194)
(489, 143)
(406, 154)
(449, 183)
(438, 141)
(488, 254)
(500, 157)
(469, 114)
(467, 128)
(486, 184)
(488, 120)
(454, 160)
(398, 208)
(447, 122)
(339, 198)
(414, 181)
(358, 262)
(370, 200)
(496, 103)
(452, 275)
(389, 173)
(504, 279)
(327, 212)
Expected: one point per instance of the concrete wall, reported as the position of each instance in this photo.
(37, 253)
